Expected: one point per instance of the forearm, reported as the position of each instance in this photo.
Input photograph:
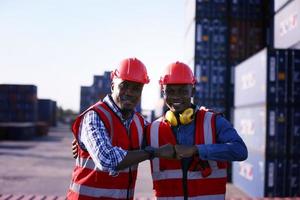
(132, 158)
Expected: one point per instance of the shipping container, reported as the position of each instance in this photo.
(17, 130)
(263, 128)
(216, 9)
(294, 131)
(263, 78)
(260, 175)
(89, 95)
(47, 111)
(293, 177)
(294, 80)
(18, 103)
(286, 26)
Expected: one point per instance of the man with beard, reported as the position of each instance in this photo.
(109, 136)
(203, 141)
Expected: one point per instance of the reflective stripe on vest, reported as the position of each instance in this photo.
(177, 173)
(139, 127)
(110, 121)
(89, 164)
(208, 135)
(205, 197)
(100, 192)
(154, 142)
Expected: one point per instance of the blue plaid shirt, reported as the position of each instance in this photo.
(94, 138)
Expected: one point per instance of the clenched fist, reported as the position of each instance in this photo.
(185, 151)
(166, 151)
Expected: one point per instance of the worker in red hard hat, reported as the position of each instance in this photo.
(109, 136)
(203, 141)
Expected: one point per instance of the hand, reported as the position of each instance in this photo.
(185, 151)
(74, 149)
(166, 151)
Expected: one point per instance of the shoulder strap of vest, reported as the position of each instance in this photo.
(76, 123)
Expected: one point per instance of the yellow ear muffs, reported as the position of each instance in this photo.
(171, 118)
(187, 116)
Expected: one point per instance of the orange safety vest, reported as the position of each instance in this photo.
(205, 179)
(88, 181)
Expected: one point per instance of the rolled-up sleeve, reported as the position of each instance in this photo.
(95, 139)
(229, 147)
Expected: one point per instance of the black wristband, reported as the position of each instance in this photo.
(151, 151)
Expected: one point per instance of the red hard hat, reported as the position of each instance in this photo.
(177, 73)
(131, 69)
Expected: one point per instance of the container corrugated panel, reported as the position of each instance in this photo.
(46, 108)
(294, 132)
(294, 75)
(18, 103)
(293, 177)
(86, 98)
(261, 176)
(202, 9)
(91, 94)
(218, 35)
(219, 9)
(54, 113)
(277, 129)
(211, 38)
(218, 80)
(211, 9)
(202, 45)
(17, 130)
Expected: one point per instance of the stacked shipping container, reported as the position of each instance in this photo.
(18, 103)
(47, 111)
(211, 54)
(18, 111)
(22, 115)
(91, 94)
(267, 117)
(227, 32)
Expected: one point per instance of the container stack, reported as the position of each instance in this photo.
(91, 94)
(47, 111)
(211, 44)
(227, 32)
(18, 111)
(266, 116)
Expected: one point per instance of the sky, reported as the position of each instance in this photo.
(59, 45)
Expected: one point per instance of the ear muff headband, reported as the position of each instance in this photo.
(185, 118)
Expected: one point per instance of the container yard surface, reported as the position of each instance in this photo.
(41, 169)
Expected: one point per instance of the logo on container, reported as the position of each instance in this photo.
(246, 170)
(247, 127)
(248, 81)
(288, 24)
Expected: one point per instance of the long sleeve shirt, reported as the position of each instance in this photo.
(229, 147)
(94, 138)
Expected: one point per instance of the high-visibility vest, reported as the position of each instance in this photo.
(88, 181)
(204, 179)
